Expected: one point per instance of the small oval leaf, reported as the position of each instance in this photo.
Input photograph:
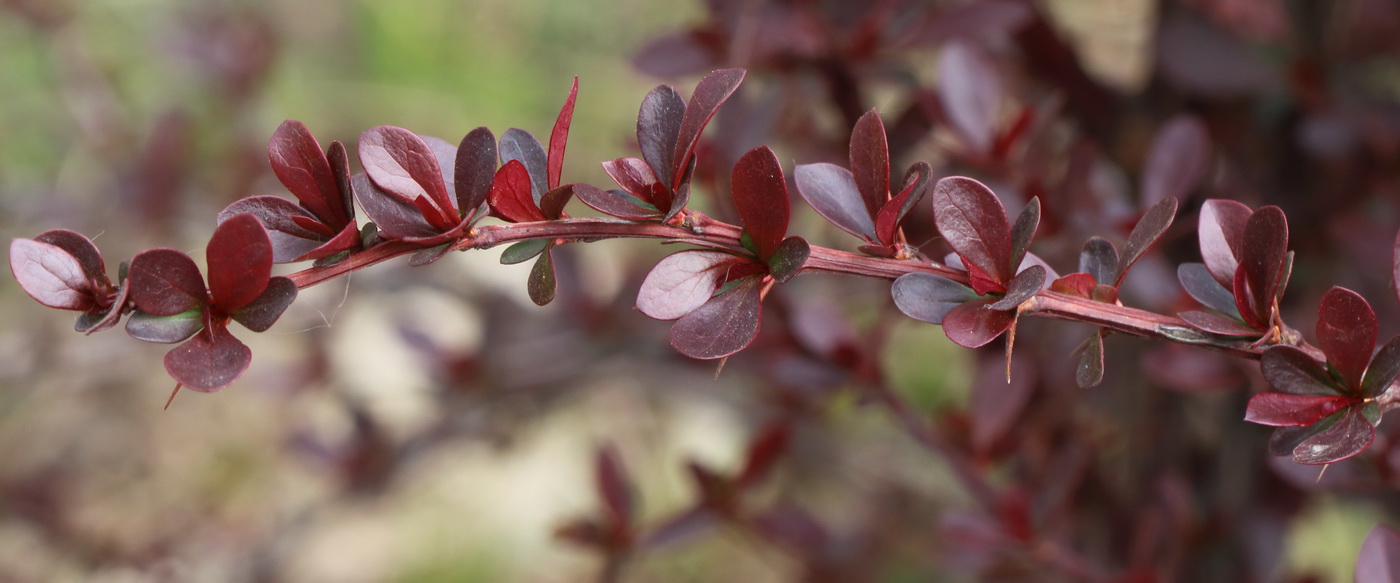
(723, 326)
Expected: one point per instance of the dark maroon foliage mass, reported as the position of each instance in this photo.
(1114, 436)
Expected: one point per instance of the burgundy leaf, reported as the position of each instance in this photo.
(1346, 333)
(634, 176)
(553, 202)
(831, 191)
(1196, 279)
(916, 185)
(1290, 370)
(678, 202)
(82, 249)
(303, 168)
(709, 94)
(723, 326)
(290, 240)
(165, 329)
(1024, 230)
(1217, 324)
(559, 136)
(542, 282)
(1265, 247)
(100, 317)
(474, 169)
(974, 324)
(403, 165)
(1177, 159)
(1383, 369)
(970, 90)
(1379, 560)
(510, 194)
(658, 127)
(165, 282)
(927, 297)
(518, 144)
(1348, 435)
(261, 313)
(1089, 372)
(396, 218)
(1076, 284)
(973, 222)
(789, 258)
(50, 275)
(1221, 231)
(339, 160)
(764, 451)
(682, 282)
(870, 161)
(1100, 259)
(446, 155)
(210, 361)
(1282, 410)
(1021, 288)
(615, 202)
(760, 196)
(240, 262)
(1153, 223)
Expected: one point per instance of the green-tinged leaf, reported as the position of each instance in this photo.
(1383, 369)
(1290, 370)
(542, 282)
(423, 257)
(1023, 231)
(789, 258)
(523, 251)
(165, 329)
(927, 297)
(1089, 372)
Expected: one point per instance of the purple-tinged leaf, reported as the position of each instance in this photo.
(99, 317)
(263, 312)
(50, 275)
(1099, 258)
(678, 202)
(518, 144)
(1221, 232)
(974, 324)
(474, 169)
(210, 361)
(1290, 370)
(870, 161)
(916, 184)
(1284, 440)
(82, 249)
(1177, 159)
(339, 160)
(787, 260)
(1024, 230)
(710, 93)
(395, 218)
(970, 90)
(302, 167)
(927, 297)
(1265, 248)
(610, 478)
(636, 177)
(682, 282)
(760, 196)
(406, 167)
(165, 282)
(542, 282)
(1383, 369)
(723, 326)
(290, 240)
(553, 202)
(446, 155)
(1076, 284)
(429, 255)
(973, 222)
(240, 262)
(658, 128)
(523, 251)
(1379, 560)
(1196, 279)
(1347, 435)
(617, 203)
(831, 191)
(1218, 324)
(1021, 288)
(764, 451)
(510, 194)
(1089, 372)
(1346, 333)
(165, 329)
(1284, 410)
(559, 136)
(1153, 223)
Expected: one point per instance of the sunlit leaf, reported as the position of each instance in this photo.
(50, 275)
(1279, 409)
(722, 326)
(240, 261)
(1221, 232)
(1346, 333)
(559, 136)
(682, 282)
(406, 167)
(510, 194)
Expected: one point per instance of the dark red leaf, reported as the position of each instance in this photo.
(518, 144)
(1021, 288)
(1099, 258)
(1076, 284)
(396, 218)
(1023, 231)
(723, 326)
(970, 90)
(916, 185)
(1347, 435)
(542, 282)
(678, 202)
(406, 167)
(682, 282)
(760, 196)
(636, 177)
(1379, 560)
(614, 490)
(973, 324)
(1283, 410)
(165, 282)
(1089, 372)
(1265, 248)
(51, 275)
(240, 262)
(1217, 324)
(474, 169)
(615, 202)
(764, 451)
(1177, 159)
(1221, 231)
(870, 161)
(559, 137)
(831, 191)
(787, 260)
(553, 202)
(927, 297)
(1153, 223)
(510, 194)
(1346, 333)
(658, 127)
(1196, 279)
(303, 168)
(973, 222)
(261, 313)
(210, 361)
(1290, 370)
(291, 241)
(82, 249)
(709, 94)
(1383, 369)
(165, 329)
(339, 160)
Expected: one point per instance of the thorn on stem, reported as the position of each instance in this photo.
(172, 397)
